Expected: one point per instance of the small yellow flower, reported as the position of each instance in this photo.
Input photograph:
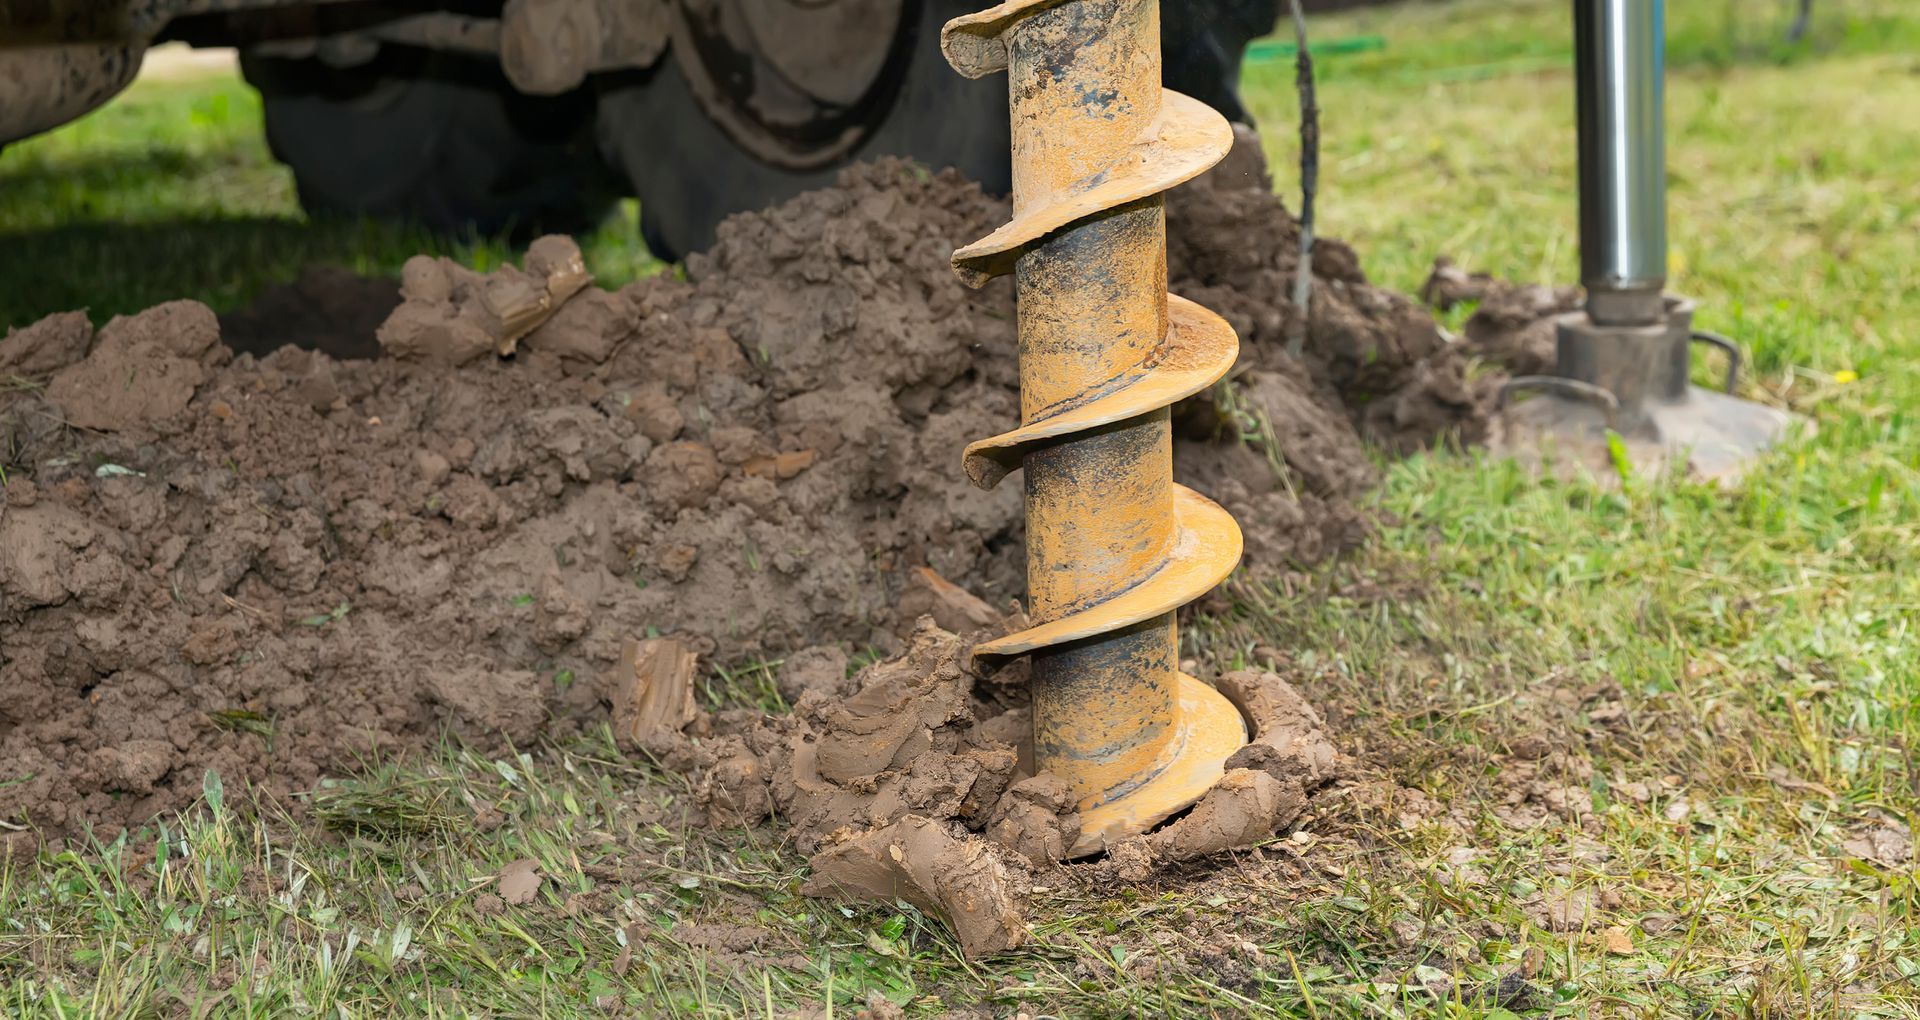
(1845, 376)
(1676, 262)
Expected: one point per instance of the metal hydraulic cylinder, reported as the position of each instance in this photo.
(1114, 546)
(1623, 361)
(1619, 78)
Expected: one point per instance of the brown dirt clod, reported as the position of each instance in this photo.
(519, 882)
(37, 351)
(452, 315)
(652, 692)
(141, 369)
(962, 878)
(910, 785)
(1512, 324)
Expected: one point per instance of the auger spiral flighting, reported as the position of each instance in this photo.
(1114, 547)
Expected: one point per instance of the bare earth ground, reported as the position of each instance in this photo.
(1628, 752)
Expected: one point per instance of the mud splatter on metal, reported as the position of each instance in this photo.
(1114, 547)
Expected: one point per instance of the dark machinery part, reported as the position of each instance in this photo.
(1204, 45)
(696, 153)
(46, 86)
(705, 107)
(1623, 362)
(34, 23)
(433, 138)
(693, 168)
(797, 85)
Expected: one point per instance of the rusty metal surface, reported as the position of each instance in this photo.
(1114, 547)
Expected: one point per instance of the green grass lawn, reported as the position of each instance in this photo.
(1671, 723)
(170, 191)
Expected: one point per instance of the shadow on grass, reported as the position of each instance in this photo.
(116, 268)
(26, 172)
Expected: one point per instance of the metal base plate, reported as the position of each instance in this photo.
(1211, 729)
(1710, 435)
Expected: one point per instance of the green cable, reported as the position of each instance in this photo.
(1266, 52)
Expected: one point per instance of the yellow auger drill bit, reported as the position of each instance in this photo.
(1114, 547)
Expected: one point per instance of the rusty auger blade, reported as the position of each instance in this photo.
(1114, 547)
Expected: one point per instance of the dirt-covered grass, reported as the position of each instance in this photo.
(1633, 750)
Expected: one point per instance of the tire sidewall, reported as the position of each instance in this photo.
(690, 175)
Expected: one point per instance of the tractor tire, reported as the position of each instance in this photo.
(1203, 44)
(433, 139)
(690, 174)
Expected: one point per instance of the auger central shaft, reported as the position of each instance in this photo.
(1114, 547)
(1099, 517)
(1093, 305)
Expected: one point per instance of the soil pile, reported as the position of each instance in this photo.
(910, 780)
(273, 564)
(1512, 324)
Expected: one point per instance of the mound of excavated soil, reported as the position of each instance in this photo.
(273, 564)
(1512, 324)
(907, 782)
